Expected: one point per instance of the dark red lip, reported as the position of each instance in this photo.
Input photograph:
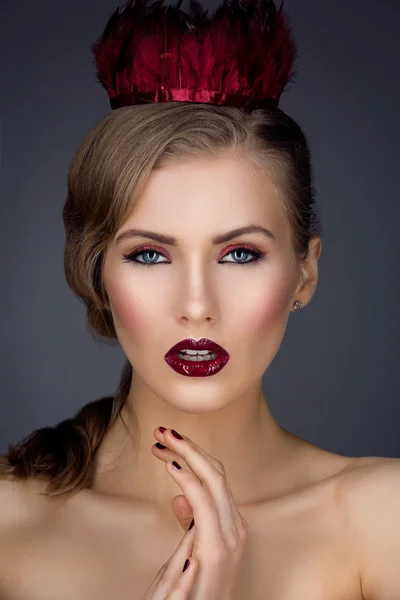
(203, 344)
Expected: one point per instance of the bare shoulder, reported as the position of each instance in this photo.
(370, 498)
(366, 479)
(20, 502)
(368, 471)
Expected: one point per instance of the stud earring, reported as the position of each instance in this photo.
(298, 305)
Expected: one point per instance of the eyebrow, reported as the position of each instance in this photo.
(217, 239)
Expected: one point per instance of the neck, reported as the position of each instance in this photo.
(243, 435)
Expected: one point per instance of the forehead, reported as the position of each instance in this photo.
(206, 195)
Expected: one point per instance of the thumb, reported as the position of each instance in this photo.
(182, 510)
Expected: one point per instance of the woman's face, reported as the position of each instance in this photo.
(199, 289)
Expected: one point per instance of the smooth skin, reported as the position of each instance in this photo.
(172, 582)
(221, 529)
(372, 504)
(320, 526)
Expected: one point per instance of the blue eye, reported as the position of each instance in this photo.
(257, 256)
(242, 250)
(133, 257)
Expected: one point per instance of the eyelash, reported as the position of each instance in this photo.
(258, 256)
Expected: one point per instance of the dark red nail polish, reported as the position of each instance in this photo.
(162, 429)
(185, 566)
(160, 446)
(191, 524)
(176, 465)
(176, 434)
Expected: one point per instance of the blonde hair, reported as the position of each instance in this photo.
(106, 175)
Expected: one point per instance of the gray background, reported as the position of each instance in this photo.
(335, 379)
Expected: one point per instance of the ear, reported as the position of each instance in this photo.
(309, 272)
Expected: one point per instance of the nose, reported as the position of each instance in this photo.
(198, 300)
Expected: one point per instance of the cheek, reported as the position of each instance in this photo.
(261, 318)
(127, 308)
(126, 312)
(262, 330)
(135, 300)
(137, 313)
(271, 310)
(263, 309)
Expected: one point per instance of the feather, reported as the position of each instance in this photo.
(151, 52)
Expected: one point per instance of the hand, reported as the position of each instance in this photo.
(171, 583)
(221, 531)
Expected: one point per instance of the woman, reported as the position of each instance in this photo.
(193, 222)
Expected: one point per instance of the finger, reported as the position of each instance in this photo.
(211, 473)
(183, 586)
(164, 453)
(240, 522)
(169, 573)
(215, 528)
(182, 511)
(169, 453)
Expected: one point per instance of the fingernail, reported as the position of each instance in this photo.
(191, 524)
(185, 566)
(160, 446)
(176, 434)
(162, 429)
(175, 465)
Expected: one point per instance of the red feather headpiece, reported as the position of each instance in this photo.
(243, 56)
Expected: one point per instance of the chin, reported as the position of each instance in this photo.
(203, 394)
